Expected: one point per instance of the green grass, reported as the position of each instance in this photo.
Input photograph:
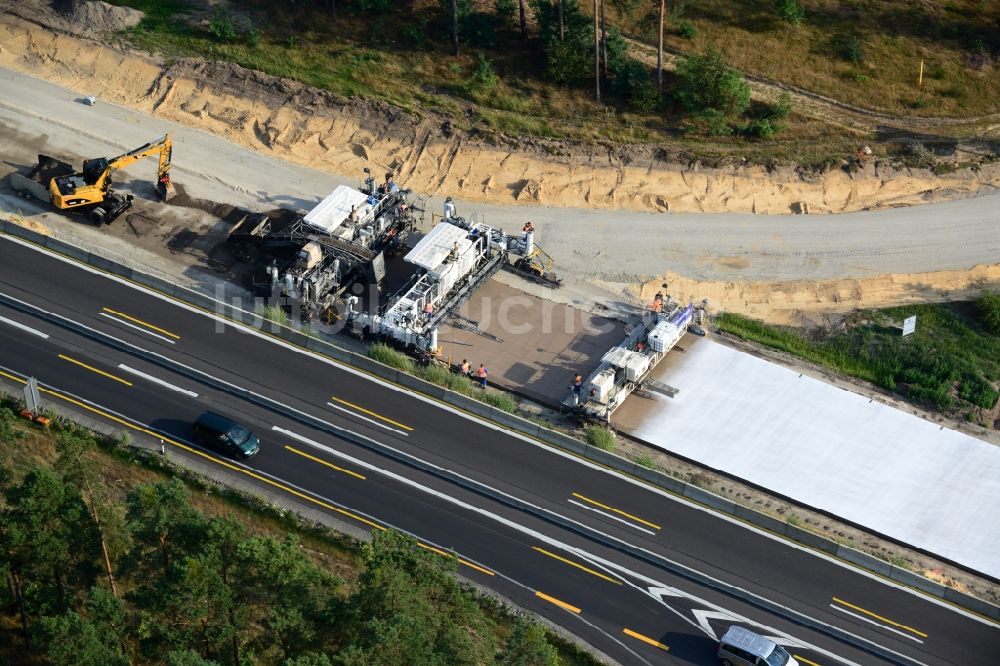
(274, 313)
(442, 376)
(951, 363)
(600, 438)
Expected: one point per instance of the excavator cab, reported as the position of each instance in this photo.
(94, 169)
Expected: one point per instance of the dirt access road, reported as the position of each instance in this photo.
(742, 262)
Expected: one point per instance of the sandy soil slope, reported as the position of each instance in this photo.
(317, 129)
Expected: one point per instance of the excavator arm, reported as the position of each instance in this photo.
(162, 147)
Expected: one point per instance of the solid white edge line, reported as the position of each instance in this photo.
(138, 328)
(365, 418)
(26, 329)
(608, 515)
(877, 624)
(157, 380)
(239, 326)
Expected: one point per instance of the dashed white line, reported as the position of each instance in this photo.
(26, 329)
(157, 380)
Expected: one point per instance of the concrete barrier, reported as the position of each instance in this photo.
(557, 439)
(811, 539)
(865, 560)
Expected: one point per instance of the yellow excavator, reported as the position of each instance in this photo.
(90, 191)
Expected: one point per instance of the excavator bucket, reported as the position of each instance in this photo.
(165, 188)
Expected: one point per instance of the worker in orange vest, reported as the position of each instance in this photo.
(481, 374)
(465, 369)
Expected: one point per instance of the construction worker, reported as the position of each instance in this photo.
(453, 255)
(481, 375)
(529, 228)
(465, 369)
(354, 215)
(657, 305)
(577, 384)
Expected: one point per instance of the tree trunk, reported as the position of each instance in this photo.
(659, 49)
(524, 19)
(562, 24)
(332, 5)
(597, 53)
(604, 40)
(15, 582)
(454, 25)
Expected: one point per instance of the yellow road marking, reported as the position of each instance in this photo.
(371, 413)
(460, 560)
(324, 462)
(578, 566)
(93, 369)
(618, 511)
(194, 451)
(561, 604)
(142, 323)
(645, 639)
(803, 660)
(879, 617)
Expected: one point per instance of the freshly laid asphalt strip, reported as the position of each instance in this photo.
(690, 536)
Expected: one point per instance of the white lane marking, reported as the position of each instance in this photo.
(243, 328)
(26, 329)
(608, 515)
(877, 624)
(138, 328)
(157, 380)
(611, 568)
(365, 418)
(703, 616)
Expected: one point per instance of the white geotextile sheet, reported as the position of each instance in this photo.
(877, 466)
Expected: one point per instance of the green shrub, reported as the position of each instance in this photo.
(484, 79)
(705, 83)
(600, 438)
(687, 30)
(274, 313)
(221, 27)
(851, 49)
(790, 11)
(645, 460)
(988, 306)
(8, 433)
(393, 358)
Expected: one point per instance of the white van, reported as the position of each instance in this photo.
(742, 647)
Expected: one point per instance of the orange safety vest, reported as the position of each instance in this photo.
(481, 372)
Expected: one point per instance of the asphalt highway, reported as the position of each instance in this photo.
(587, 548)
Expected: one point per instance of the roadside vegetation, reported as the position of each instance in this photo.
(442, 376)
(205, 576)
(951, 364)
(538, 80)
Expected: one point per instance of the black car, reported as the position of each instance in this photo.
(225, 435)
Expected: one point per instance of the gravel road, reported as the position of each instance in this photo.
(589, 246)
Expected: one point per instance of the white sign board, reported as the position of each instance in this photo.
(909, 325)
(31, 400)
